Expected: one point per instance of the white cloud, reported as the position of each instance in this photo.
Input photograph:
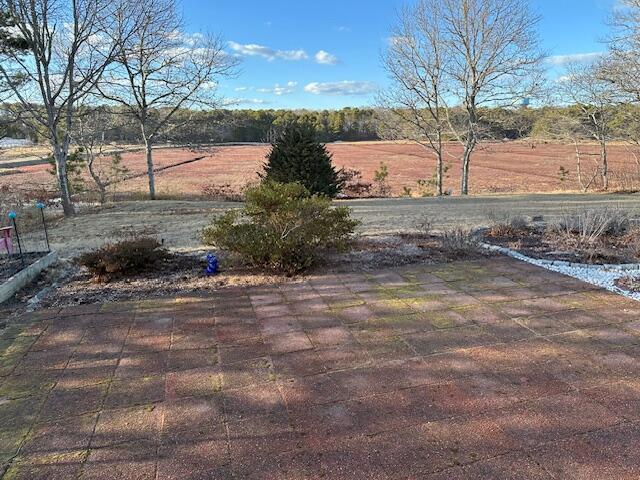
(254, 50)
(341, 88)
(280, 90)
(573, 58)
(245, 101)
(326, 58)
(342, 29)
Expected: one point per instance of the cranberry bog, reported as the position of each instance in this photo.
(497, 167)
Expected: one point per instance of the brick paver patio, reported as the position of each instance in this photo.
(473, 370)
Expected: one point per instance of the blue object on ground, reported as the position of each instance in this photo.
(212, 264)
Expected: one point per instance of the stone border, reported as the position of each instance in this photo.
(14, 284)
(603, 276)
(623, 267)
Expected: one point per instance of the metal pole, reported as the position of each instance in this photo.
(12, 216)
(40, 206)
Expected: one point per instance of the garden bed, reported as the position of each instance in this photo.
(182, 274)
(630, 284)
(541, 243)
(11, 265)
(22, 275)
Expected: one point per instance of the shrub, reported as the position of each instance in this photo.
(424, 225)
(587, 227)
(380, 177)
(506, 225)
(296, 156)
(459, 241)
(353, 184)
(223, 193)
(282, 227)
(123, 259)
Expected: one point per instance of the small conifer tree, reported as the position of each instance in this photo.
(297, 156)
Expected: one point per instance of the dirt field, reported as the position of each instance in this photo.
(511, 167)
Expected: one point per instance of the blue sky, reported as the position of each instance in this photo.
(326, 54)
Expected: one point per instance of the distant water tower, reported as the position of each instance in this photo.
(525, 102)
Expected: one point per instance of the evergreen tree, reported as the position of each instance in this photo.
(297, 156)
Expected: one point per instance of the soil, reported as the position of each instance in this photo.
(630, 284)
(9, 266)
(537, 242)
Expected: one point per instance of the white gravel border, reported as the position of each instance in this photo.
(600, 275)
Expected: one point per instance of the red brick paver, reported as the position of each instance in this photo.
(472, 370)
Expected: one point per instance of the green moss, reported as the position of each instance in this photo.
(344, 304)
(25, 385)
(15, 347)
(441, 320)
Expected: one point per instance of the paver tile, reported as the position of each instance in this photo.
(126, 425)
(196, 418)
(130, 461)
(198, 382)
(63, 403)
(135, 391)
(61, 435)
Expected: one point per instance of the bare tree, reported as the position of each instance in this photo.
(622, 67)
(583, 85)
(70, 43)
(161, 70)
(493, 59)
(414, 106)
(103, 160)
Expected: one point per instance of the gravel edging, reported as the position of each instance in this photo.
(603, 276)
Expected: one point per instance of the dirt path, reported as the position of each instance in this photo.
(179, 222)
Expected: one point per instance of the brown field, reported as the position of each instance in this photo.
(510, 167)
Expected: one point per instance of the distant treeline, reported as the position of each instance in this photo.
(348, 124)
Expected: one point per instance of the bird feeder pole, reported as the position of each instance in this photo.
(12, 216)
(40, 206)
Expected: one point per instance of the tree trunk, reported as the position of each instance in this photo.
(60, 158)
(439, 175)
(102, 188)
(579, 166)
(440, 165)
(469, 145)
(466, 160)
(605, 166)
(150, 172)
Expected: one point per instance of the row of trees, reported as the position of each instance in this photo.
(193, 127)
(59, 58)
(201, 126)
(452, 63)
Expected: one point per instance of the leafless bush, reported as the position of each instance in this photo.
(588, 227)
(353, 183)
(632, 240)
(502, 225)
(424, 225)
(459, 241)
(222, 193)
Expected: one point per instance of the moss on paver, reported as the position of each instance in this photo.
(39, 466)
(343, 304)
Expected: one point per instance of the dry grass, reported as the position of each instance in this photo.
(505, 225)
(587, 228)
(459, 241)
